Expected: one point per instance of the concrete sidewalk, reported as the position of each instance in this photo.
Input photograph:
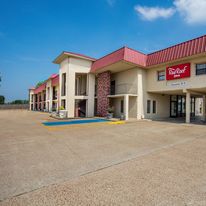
(138, 163)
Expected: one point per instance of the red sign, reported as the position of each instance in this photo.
(178, 71)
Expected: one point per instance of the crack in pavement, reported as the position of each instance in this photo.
(131, 158)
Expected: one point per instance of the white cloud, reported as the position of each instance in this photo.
(152, 13)
(111, 2)
(193, 11)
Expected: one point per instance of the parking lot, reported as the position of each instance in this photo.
(137, 163)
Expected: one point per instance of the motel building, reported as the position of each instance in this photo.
(170, 83)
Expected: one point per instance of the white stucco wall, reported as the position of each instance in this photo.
(125, 81)
(139, 81)
(71, 66)
(31, 100)
(49, 96)
(162, 106)
(136, 77)
(195, 81)
(116, 103)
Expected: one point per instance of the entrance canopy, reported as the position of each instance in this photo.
(183, 102)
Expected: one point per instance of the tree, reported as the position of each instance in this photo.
(0, 79)
(39, 83)
(2, 99)
(19, 101)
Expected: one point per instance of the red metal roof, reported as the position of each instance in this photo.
(185, 49)
(53, 76)
(136, 57)
(40, 88)
(55, 80)
(182, 50)
(122, 54)
(109, 59)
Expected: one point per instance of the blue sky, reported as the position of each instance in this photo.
(33, 33)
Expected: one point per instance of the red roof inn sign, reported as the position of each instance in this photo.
(178, 71)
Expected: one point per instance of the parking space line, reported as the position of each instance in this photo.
(74, 126)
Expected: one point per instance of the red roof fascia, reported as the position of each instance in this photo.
(125, 54)
(182, 50)
(55, 80)
(135, 57)
(81, 55)
(53, 76)
(40, 88)
(109, 59)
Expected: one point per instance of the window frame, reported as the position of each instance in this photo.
(197, 74)
(159, 76)
(154, 107)
(148, 106)
(63, 86)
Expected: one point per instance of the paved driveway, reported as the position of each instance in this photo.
(75, 164)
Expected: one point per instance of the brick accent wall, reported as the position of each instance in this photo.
(103, 89)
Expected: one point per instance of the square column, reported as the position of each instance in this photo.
(38, 101)
(204, 108)
(188, 107)
(50, 99)
(90, 92)
(70, 93)
(35, 102)
(140, 93)
(42, 101)
(126, 107)
(58, 98)
(31, 101)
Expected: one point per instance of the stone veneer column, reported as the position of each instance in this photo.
(103, 90)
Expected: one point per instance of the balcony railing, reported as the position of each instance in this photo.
(54, 97)
(123, 89)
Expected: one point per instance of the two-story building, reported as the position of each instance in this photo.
(167, 83)
(45, 97)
